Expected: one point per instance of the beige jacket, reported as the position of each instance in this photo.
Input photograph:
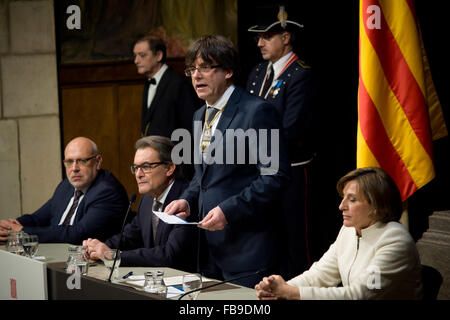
(381, 264)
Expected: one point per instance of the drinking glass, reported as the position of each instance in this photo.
(14, 244)
(154, 283)
(30, 244)
(192, 281)
(108, 260)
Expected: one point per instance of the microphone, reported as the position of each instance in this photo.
(132, 200)
(259, 272)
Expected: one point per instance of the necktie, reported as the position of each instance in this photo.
(268, 83)
(157, 206)
(210, 114)
(152, 81)
(78, 194)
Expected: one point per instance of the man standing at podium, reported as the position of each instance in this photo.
(237, 200)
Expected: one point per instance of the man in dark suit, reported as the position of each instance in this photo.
(90, 202)
(236, 197)
(168, 101)
(147, 241)
(286, 82)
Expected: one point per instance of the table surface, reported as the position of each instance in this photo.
(58, 252)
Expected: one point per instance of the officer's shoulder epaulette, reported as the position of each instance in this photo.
(302, 64)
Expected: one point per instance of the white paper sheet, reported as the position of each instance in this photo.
(171, 219)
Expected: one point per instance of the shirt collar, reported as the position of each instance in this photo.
(223, 99)
(372, 231)
(160, 73)
(163, 195)
(280, 63)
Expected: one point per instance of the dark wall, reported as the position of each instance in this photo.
(330, 46)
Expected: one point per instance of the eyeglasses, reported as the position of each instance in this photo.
(202, 69)
(81, 162)
(146, 167)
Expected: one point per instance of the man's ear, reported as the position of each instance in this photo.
(99, 161)
(159, 55)
(170, 169)
(286, 38)
(229, 74)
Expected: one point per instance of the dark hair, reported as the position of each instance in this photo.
(215, 49)
(155, 44)
(163, 146)
(379, 189)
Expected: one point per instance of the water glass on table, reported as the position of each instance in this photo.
(154, 283)
(108, 260)
(192, 281)
(14, 243)
(30, 244)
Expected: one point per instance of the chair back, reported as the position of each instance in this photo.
(431, 280)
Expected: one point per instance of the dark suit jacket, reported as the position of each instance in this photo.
(293, 101)
(246, 196)
(99, 214)
(174, 246)
(172, 107)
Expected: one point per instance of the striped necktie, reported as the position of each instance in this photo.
(76, 199)
(157, 206)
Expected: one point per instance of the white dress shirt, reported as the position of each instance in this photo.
(152, 88)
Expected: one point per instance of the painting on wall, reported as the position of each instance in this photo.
(104, 30)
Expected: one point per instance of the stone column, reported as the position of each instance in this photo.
(30, 148)
(434, 248)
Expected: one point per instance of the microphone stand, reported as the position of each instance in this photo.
(132, 199)
(259, 272)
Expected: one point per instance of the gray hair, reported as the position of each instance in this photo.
(159, 143)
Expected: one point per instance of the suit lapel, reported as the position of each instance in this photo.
(161, 87)
(172, 195)
(62, 206)
(144, 105)
(229, 111)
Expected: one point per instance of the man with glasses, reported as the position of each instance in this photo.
(285, 81)
(148, 241)
(237, 200)
(90, 202)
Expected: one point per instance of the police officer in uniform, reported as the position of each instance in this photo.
(285, 81)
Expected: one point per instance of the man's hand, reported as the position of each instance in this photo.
(15, 225)
(179, 207)
(5, 226)
(95, 248)
(214, 220)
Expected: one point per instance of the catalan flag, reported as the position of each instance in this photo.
(399, 113)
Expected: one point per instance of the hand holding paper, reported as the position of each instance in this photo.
(179, 207)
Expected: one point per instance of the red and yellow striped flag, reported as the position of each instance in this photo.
(399, 113)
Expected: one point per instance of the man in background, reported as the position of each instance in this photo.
(168, 101)
(286, 82)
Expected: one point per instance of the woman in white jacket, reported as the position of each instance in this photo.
(373, 257)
